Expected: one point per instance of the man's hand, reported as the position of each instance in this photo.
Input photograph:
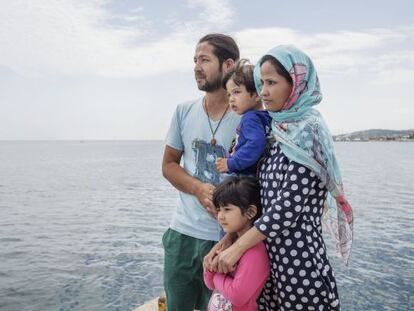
(182, 181)
(204, 194)
(221, 164)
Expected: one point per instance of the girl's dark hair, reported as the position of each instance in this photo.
(278, 67)
(224, 46)
(241, 74)
(239, 191)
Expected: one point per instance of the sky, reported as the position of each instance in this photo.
(112, 69)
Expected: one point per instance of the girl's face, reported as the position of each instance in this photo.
(240, 100)
(275, 88)
(232, 220)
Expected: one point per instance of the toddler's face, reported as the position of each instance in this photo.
(240, 100)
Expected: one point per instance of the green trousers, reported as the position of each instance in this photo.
(183, 271)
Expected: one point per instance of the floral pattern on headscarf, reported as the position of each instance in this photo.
(305, 139)
(298, 74)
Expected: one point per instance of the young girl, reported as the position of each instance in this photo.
(237, 200)
(254, 125)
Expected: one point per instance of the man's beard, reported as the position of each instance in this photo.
(211, 86)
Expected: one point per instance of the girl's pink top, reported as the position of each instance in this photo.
(244, 285)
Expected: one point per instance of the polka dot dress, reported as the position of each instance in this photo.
(292, 198)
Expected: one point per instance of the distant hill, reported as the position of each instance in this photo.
(376, 134)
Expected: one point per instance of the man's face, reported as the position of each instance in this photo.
(207, 69)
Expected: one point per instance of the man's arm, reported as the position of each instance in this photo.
(182, 181)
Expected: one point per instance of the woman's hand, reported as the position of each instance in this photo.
(210, 261)
(227, 259)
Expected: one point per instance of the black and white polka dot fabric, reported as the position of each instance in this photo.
(292, 198)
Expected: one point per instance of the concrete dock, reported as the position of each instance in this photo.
(149, 306)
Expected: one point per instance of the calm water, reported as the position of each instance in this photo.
(81, 225)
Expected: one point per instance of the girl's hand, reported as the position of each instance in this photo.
(221, 164)
(209, 259)
(228, 259)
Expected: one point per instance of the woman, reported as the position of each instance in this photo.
(300, 186)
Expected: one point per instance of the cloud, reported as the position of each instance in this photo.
(397, 76)
(337, 53)
(80, 38)
(86, 38)
(258, 40)
(65, 37)
(216, 13)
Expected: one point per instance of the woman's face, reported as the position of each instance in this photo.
(275, 88)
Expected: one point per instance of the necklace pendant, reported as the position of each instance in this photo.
(213, 132)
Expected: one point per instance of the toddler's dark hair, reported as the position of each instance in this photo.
(241, 74)
(239, 191)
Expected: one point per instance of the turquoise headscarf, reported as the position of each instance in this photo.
(305, 139)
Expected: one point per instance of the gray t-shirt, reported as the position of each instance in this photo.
(190, 133)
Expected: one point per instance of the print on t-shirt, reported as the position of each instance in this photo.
(206, 155)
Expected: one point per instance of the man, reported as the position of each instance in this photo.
(200, 131)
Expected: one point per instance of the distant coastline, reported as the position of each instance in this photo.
(377, 135)
(359, 136)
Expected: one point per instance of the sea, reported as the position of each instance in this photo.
(81, 225)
